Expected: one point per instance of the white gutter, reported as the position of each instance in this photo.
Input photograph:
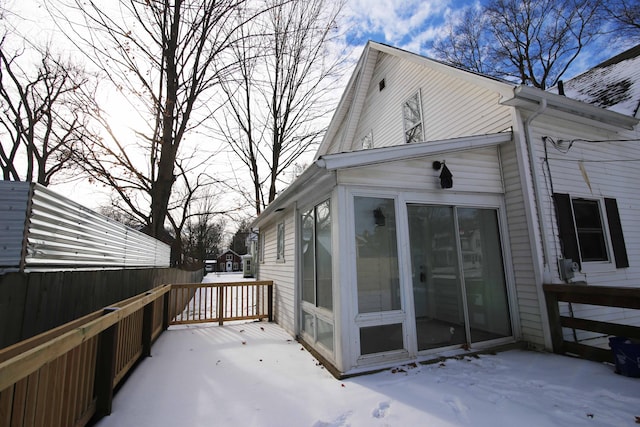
(312, 173)
(546, 269)
(409, 151)
(567, 105)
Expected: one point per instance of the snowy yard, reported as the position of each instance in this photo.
(254, 374)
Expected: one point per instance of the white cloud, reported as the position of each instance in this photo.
(396, 20)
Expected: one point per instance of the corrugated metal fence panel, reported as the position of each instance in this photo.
(142, 249)
(63, 233)
(14, 200)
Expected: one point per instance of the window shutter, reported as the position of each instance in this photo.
(615, 230)
(566, 227)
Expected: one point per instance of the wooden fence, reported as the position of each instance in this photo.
(34, 303)
(66, 376)
(593, 295)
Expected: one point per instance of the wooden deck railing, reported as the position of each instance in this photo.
(220, 302)
(593, 295)
(66, 376)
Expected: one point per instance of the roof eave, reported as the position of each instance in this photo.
(408, 151)
(312, 173)
(345, 100)
(528, 97)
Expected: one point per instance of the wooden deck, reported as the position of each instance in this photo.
(66, 376)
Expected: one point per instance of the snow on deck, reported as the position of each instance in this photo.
(255, 374)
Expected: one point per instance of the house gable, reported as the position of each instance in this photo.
(455, 102)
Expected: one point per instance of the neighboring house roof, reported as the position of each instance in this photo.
(229, 251)
(613, 84)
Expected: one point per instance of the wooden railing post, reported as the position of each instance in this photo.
(270, 302)
(166, 315)
(555, 328)
(147, 328)
(221, 305)
(106, 368)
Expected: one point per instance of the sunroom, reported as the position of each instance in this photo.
(394, 255)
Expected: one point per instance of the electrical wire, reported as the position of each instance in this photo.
(559, 145)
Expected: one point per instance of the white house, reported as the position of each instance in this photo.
(428, 221)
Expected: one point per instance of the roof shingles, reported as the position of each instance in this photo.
(613, 84)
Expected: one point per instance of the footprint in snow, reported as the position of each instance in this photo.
(341, 421)
(382, 410)
(458, 408)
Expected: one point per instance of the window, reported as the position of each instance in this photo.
(367, 141)
(584, 235)
(280, 243)
(378, 339)
(316, 256)
(229, 257)
(261, 248)
(378, 277)
(589, 228)
(317, 296)
(412, 117)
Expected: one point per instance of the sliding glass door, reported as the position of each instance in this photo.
(458, 280)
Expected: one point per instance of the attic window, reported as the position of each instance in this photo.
(381, 85)
(412, 117)
(367, 141)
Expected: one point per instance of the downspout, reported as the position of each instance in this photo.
(542, 106)
(546, 272)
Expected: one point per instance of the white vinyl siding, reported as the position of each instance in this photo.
(475, 171)
(593, 170)
(282, 273)
(450, 107)
(521, 255)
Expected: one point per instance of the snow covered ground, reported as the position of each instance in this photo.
(255, 374)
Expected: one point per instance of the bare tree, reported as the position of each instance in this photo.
(466, 43)
(537, 40)
(240, 125)
(115, 212)
(278, 97)
(166, 58)
(531, 41)
(203, 236)
(239, 239)
(44, 113)
(626, 18)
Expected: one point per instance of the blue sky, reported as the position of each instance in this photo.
(406, 24)
(402, 23)
(413, 24)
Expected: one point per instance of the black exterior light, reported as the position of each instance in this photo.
(446, 177)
